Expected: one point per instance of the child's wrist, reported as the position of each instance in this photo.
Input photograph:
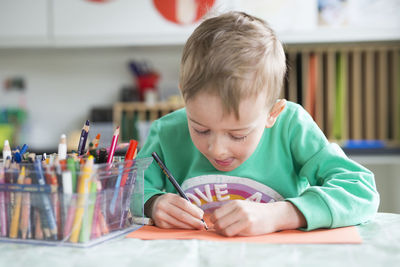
(148, 206)
(289, 217)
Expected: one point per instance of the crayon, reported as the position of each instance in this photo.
(103, 224)
(62, 147)
(17, 209)
(56, 204)
(3, 207)
(116, 190)
(96, 231)
(25, 212)
(32, 188)
(88, 216)
(71, 166)
(66, 194)
(83, 191)
(11, 178)
(38, 225)
(70, 217)
(48, 219)
(18, 153)
(83, 138)
(6, 150)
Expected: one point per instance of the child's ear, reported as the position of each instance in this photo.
(274, 113)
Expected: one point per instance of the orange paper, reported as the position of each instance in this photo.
(345, 235)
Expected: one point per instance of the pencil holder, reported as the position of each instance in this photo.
(70, 205)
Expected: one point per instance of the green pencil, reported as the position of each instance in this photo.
(86, 229)
(71, 167)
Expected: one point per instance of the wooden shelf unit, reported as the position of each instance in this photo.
(140, 111)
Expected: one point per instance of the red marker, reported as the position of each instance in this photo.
(129, 156)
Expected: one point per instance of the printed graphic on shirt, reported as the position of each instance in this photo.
(211, 191)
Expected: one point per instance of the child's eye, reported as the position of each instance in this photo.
(201, 132)
(238, 138)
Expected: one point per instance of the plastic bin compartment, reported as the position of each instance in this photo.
(110, 203)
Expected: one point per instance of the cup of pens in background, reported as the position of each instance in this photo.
(70, 200)
(91, 206)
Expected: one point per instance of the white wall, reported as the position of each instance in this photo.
(386, 169)
(64, 84)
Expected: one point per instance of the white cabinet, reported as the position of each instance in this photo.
(123, 22)
(52, 23)
(23, 22)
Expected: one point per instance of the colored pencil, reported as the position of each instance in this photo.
(17, 209)
(48, 220)
(83, 138)
(88, 216)
(70, 217)
(83, 191)
(173, 181)
(96, 232)
(3, 207)
(25, 211)
(113, 146)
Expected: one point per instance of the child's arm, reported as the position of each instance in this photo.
(247, 218)
(341, 192)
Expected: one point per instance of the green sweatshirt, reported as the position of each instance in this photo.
(293, 161)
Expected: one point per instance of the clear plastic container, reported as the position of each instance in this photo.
(41, 206)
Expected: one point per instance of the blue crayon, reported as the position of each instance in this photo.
(45, 201)
(116, 190)
(17, 155)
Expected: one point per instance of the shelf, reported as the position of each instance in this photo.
(339, 35)
(302, 37)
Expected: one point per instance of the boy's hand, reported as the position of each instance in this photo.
(173, 211)
(247, 218)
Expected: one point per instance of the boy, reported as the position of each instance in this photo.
(236, 141)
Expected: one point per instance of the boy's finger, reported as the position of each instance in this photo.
(190, 208)
(180, 209)
(233, 229)
(222, 211)
(186, 216)
(165, 220)
(228, 219)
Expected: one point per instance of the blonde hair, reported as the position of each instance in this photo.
(233, 56)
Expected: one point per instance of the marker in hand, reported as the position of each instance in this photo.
(173, 181)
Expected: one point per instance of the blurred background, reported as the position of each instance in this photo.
(116, 63)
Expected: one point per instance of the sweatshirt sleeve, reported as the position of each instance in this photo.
(153, 177)
(341, 192)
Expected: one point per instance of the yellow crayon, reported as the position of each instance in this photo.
(17, 209)
(83, 193)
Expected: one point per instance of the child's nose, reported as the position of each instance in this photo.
(217, 147)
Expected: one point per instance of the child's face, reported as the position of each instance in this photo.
(225, 141)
